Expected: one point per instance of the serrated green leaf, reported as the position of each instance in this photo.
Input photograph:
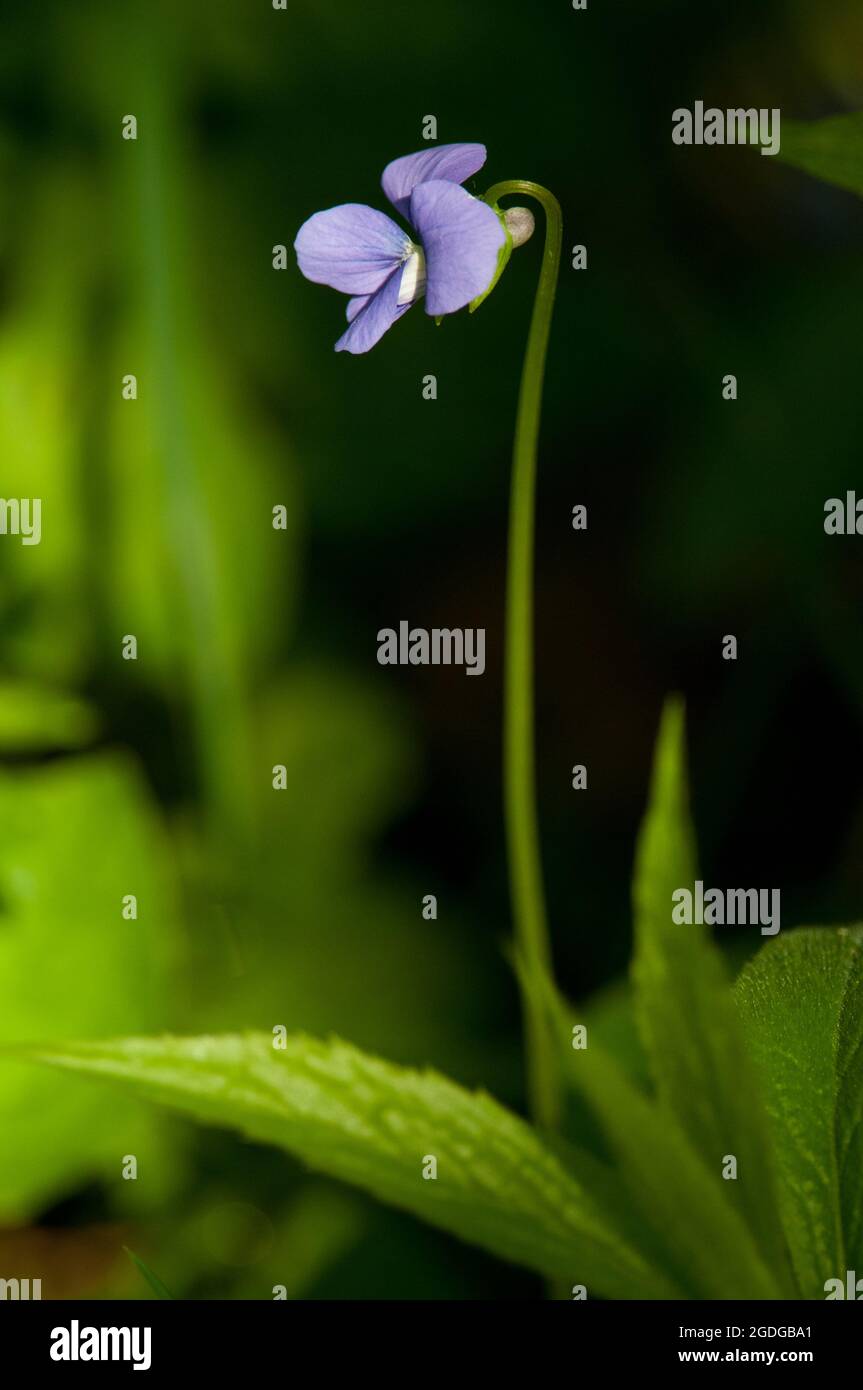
(831, 150)
(685, 1008)
(801, 1002)
(695, 1231)
(367, 1122)
(709, 1246)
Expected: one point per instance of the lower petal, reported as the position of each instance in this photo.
(354, 305)
(461, 238)
(371, 320)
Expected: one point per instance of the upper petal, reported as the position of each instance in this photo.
(461, 238)
(370, 322)
(455, 163)
(351, 247)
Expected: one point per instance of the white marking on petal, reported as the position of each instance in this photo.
(413, 281)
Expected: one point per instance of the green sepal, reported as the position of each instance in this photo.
(503, 256)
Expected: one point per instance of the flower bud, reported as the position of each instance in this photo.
(520, 224)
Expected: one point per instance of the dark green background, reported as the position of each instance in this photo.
(257, 648)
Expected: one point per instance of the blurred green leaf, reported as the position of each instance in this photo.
(44, 610)
(831, 150)
(34, 718)
(76, 836)
(193, 466)
(367, 1122)
(684, 1005)
(321, 1226)
(801, 1001)
(352, 768)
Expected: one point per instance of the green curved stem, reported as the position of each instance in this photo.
(525, 869)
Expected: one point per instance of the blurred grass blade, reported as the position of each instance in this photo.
(801, 1001)
(367, 1122)
(696, 1233)
(831, 150)
(685, 1008)
(152, 1279)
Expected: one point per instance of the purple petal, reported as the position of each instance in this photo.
(354, 306)
(461, 238)
(454, 163)
(371, 320)
(351, 247)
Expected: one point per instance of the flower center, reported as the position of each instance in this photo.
(413, 281)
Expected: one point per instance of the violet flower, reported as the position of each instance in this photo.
(452, 259)
(461, 248)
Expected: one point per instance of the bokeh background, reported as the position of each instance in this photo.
(257, 647)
